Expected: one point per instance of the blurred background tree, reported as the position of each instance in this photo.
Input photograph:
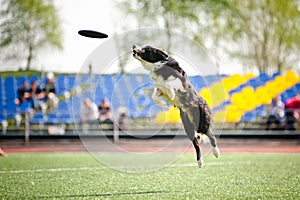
(261, 34)
(168, 15)
(26, 26)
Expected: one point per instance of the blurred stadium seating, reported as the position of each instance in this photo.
(245, 98)
(233, 99)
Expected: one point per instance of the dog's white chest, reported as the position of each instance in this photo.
(171, 83)
(168, 88)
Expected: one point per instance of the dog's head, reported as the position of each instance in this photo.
(154, 59)
(149, 56)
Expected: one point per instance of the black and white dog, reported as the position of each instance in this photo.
(172, 84)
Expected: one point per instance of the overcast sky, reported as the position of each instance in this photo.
(76, 15)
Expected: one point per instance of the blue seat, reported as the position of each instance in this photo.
(260, 111)
(84, 79)
(1, 94)
(151, 110)
(63, 106)
(21, 79)
(248, 117)
(107, 80)
(61, 84)
(88, 94)
(210, 79)
(53, 118)
(1, 87)
(133, 80)
(76, 117)
(142, 100)
(10, 88)
(263, 77)
(34, 78)
(71, 82)
(284, 97)
(10, 94)
(38, 118)
(9, 81)
(198, 82)
(297, 86)
(254, 83)
(290, 92)
(12, 109)
(275, 75)
(75, 102)
(1, 104)
(67, 118)
(222, 106)
(99, 94)
(235, 90)
(25, 106)
(3, 116)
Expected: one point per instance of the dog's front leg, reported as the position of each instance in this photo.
(155, 96)
(170, 93)
(172, 85)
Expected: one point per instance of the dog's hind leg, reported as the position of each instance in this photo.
(198, 152)
(213, 142)
(190, 131)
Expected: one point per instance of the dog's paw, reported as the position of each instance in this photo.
(159, 102)
(216, 152)
(164, 105)
(171, 94)
(200, 162)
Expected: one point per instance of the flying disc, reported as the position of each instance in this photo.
(92, 34)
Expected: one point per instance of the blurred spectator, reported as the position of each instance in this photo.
(105, 114)
(49, 92)
(36, 96)
(276, 113)
(23, 94)
(88, 112)
(292, 110)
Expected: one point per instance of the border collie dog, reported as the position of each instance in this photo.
(172, 85)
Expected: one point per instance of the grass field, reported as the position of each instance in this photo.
(80, 176)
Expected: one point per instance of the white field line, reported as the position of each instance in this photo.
(118, 167)
(49, 170)
(210, 164)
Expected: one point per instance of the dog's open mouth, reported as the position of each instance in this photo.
(136, 51)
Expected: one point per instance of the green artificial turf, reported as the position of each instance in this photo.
(81, 176)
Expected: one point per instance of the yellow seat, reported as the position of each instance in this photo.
(218, 94)
(291, 78)
(233, 116)
(173, 116)
(219, 116)
(161, 118)
(249, 76)
(206, 95)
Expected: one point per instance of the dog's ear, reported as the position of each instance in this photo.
(174, 64)
(163, 54)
